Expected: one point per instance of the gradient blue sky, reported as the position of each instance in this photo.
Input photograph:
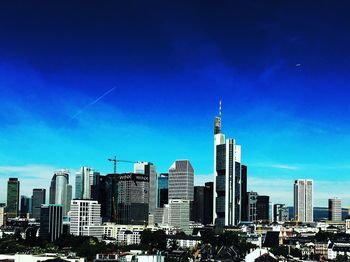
(280, 67)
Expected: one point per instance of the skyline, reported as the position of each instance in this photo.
(143, 82)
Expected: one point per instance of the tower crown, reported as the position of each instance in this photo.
(217, 121)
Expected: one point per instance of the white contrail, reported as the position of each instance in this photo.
(93, 102)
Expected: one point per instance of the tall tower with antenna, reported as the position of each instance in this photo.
(227, 177)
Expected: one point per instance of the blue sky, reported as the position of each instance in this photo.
(280, 68)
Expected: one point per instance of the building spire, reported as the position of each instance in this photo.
(217, 121)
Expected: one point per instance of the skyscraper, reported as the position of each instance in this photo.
(208, 202)
(227, 178)
(25, 206)
(2, 216)
(303, 200)
(179, 214)
(85, 218)
(198, 206)
(38, 199)
(84, 180)
(60, 190)
(252, 201)
(12, 208)
(181, 179)
(334, 209)
(262, 208)
(149, 170)
(244, 196)
(133, 198)
(51, 222)
(163, 189)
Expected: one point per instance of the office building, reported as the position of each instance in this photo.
(85, 178)
(262, 208)
(303, 200)
(280, 213)
(335, 211)
(133, 198)
(227, 178)
(25, 207)
(2, 216)
(252, 201)
(198, 205)
(244, 195)
(179, 214)
(51, 222)
(208, 203)
(149, 170)
(60, 190)
(85, 218)
(181, 179)
(12, 207)
(105, 191)
(163, 189)
(38, 199)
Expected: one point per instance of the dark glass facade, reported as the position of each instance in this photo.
(12, 208)
(25, 206)
(51, 222)
(208, 203)
(38, 199)
(198, 205)
(163, 189)
(244, 196)
(262, 208)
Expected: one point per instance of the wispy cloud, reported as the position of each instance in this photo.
(282, 166)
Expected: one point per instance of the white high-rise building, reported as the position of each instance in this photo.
(150, 170)
(84, 179)
(2, 213)
(303, 200)
(85, 218)
(181, 179)
(179, 214)
(227, 178)
(334, 209)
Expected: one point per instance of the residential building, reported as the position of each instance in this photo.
(227, 178)
(303, 200)
(51, 222)
(12, 207)
(38, 199)
(335, 211)
(85, 218)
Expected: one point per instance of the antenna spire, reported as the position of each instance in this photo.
(220, 108)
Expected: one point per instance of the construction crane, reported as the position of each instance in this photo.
(115, 160)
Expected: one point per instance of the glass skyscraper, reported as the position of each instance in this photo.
(12, 208)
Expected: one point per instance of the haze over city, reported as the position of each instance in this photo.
(82, 83)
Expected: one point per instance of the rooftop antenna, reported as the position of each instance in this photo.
(220, 108)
